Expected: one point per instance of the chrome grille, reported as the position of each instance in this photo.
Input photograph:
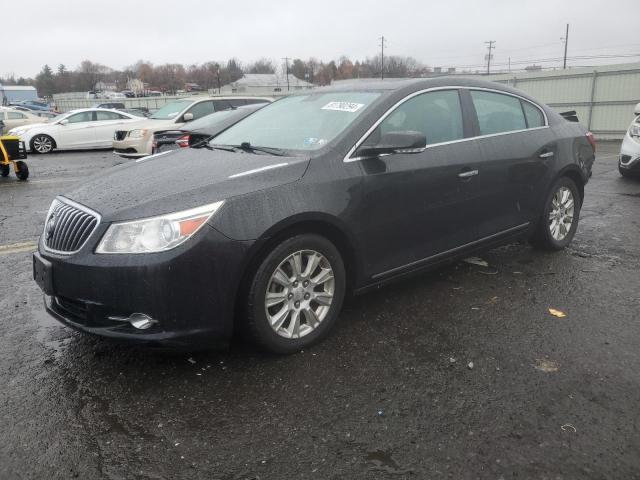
(68, 226)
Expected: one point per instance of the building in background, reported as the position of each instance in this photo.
(17, 93)
(265, 84)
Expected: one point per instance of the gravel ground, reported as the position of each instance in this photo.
(457, 373)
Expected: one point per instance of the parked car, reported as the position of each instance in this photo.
(13, 118)
(137, 140)
(44, 115)
(34, 105)
(138, 112)
(198, 131)
(629, 161)
(113, 105)
(342, 188)
(79, 129)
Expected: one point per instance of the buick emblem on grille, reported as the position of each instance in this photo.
(50, 227)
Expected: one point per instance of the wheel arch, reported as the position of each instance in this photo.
(574, 173)
(316, 223)
(33, 137)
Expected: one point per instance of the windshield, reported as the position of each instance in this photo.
(301, 122)
(170, 110)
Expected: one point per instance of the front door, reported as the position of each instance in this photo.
(78, 132)
(418, 205)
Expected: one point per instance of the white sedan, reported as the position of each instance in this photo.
(76, 130)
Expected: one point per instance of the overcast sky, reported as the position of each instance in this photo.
(438, 33)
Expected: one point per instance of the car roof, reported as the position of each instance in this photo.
(410, 84)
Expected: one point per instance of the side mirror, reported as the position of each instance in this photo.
(395, 142)
(187, 117)
(63, 121)
(636, 110)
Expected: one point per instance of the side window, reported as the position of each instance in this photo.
(533, 115)
(251, 101)
(437, 115)
(15, 116)
(201, 109)
(223, 105)
(497, 113)
(81, 117)
(108, 116)
(235, 102)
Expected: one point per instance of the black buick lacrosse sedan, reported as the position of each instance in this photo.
(264, 228)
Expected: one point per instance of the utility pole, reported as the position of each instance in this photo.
(286, 61)
(565, 39)
(382, 40)
(490, 47)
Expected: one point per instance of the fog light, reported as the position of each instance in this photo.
(140, 321)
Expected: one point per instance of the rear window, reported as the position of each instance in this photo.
(498, 113)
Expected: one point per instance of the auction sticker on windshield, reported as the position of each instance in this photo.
(343, 106)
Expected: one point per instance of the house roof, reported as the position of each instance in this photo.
(16, 87)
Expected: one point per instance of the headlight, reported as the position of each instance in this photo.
(138, 133)
(156, 234)
(634, 130)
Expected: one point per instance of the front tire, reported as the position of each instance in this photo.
(22, 170)
(295, 294)
(625, 173)
(560, 216)
(42, 144)
(4, 170)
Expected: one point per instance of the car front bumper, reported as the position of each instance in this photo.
(133, 147)
(190, 291)
(629, 158)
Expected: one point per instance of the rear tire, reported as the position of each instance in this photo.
(295, 294)
(42, 144)
(559, 221)
(23, 170)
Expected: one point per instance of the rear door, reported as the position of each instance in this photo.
(418, 205)
(517, 149)
(105, 128)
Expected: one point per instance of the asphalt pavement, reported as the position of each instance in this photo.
(458, 373)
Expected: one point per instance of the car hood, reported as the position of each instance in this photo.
(31, 126)
(182, 179)
(152, 125)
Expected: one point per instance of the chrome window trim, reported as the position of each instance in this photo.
(79, 206)
(348, 157)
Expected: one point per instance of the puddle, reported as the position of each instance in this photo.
(381, 460)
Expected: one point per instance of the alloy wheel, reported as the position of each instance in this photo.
(299, 294)
(42, 144)
(561, 213)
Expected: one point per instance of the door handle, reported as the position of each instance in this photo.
(546, 155)
(468, 174)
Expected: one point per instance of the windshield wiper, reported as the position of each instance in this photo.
(208, 146)
(247, 147)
